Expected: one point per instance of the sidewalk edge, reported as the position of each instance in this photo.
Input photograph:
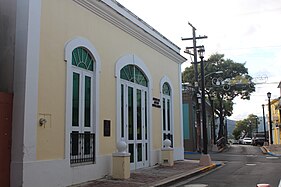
(271, 153)
(183, 176)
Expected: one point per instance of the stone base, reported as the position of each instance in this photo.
(121, 165)
(205, 160)
(167, 155)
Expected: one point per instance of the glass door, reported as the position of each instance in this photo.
(136, 128)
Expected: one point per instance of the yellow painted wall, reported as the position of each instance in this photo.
(64, 20)
(276, 120)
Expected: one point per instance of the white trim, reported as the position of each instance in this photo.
(181, 110)
(122, 62)
(120, 17)
(26, 76)
(51, 173)
(140, 23)
(178, 153)
(69, 47)
(162, 82)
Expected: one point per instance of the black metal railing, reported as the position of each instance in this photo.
(82, 147)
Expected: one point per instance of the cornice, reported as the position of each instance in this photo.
(119, 16)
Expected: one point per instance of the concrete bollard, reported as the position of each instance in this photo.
(167, 154)
(121, 162)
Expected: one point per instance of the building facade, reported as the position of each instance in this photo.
(87, 74)
(275, 118)
(191, 134)
(189, 119)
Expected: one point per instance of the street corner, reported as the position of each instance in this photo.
(264, 149)
(273, 150)
(186, 175)
(212, 166)
(274, 154)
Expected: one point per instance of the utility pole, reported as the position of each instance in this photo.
(197, 107)
(257, 129)
(269, 118)
(226, 133)
(264, 128)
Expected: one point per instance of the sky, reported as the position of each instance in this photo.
(245, 31)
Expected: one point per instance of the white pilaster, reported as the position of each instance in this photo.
(27, 47)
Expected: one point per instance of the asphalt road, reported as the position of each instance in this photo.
(245, 166)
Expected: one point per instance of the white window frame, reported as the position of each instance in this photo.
(83, 73)
(131, 59)
(69, 47)
(164, 80)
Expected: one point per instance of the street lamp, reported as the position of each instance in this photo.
(205, 159)
(205, 142)
(269, 117)
(257, 128)
(264, 128)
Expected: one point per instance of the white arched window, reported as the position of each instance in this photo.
(81, 102)
(133, 108)
(167, 110)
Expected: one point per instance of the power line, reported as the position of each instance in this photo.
(260, 12)
(257, 47)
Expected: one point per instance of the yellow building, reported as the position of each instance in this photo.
(86, 75)
(276, 123)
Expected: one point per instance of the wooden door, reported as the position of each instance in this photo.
(5, 137)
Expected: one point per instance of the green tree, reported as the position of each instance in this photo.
(240, 129)
(233, 81)
(246, 126)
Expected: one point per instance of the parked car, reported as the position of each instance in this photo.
(240, 140)
(247, 141)
(233, 141)
(258, 139)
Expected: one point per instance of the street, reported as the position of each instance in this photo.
(245, 165)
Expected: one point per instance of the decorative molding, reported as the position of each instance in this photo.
(122, 18)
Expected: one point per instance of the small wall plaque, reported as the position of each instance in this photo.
(156, 102)
(106, 127)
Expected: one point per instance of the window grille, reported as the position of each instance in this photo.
(82, 147)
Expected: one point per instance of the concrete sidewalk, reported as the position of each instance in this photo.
(155, 176)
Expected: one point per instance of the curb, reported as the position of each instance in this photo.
(226, 147)
(264, 151)
(181, 177)
(273, 154)
(270, 153)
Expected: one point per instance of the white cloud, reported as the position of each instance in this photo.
(243, 30)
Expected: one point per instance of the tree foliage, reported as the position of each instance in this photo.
(246, 126)
(224, 81)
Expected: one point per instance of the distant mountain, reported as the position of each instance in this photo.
(230, 126)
